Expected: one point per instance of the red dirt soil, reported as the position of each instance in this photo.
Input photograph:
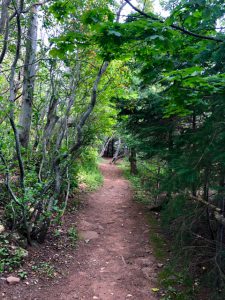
(114, 260)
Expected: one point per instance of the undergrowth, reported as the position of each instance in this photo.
(11, 255)
(73, 236)
(174, 279)
(88, 171)
(44, 269)
(85, 175)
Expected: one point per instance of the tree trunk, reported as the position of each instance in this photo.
(28, 80)
(4, 14)
(4, 26)
(105, 146)
(133, 162)
(115, 156)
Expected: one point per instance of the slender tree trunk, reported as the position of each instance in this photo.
(115, 156)
(112, 148)
(105, 146)
(194, 188)
(133, 161)
(4, 14)
(206, 199)
(4, 27)
(12, 95)
(28, 80)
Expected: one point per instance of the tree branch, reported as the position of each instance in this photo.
(176, 27)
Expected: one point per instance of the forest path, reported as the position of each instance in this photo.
(114, 260)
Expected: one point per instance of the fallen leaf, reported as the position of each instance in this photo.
(155, 290)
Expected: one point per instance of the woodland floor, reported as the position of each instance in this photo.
(113, 259)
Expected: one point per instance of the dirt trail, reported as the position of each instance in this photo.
(114, 260)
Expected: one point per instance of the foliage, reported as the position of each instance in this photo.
(174, 279)
(89, 173)
(44, 269)
(55, 108)
(22, 274)
(73, 236)
(11, 256)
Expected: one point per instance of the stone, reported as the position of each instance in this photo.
(2, 228)
(12, 280)
(159, 265)
(89, 235)
(3, 278)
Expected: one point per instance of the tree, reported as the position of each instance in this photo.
(29, 73)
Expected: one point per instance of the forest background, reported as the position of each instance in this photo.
(76, 72)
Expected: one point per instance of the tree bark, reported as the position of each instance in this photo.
(28, 80)
(105, 146)
(4, 15)
(115, 156)
(133, 162)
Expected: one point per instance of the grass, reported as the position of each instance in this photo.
(177, 285)
(90, 175)
(140, 194)
(156, 238)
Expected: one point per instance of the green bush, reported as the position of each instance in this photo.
(88, 171)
